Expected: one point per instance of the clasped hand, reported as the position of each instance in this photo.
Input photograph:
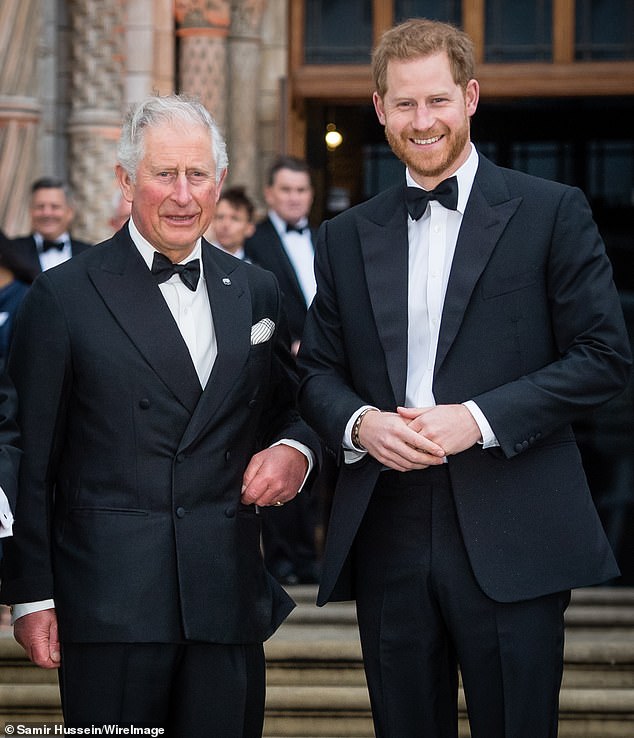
(415, 438)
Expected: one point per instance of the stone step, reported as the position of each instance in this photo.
(316, 684)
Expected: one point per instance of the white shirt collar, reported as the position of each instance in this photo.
(147, 251)
(280, 223)
(465, 174)
(62, 238)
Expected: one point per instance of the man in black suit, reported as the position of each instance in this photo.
(157, 414)
(283, 244)
(445, 356)
(283, 241)
(50, 244)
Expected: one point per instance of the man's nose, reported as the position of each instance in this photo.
(182, 190)
(423, 118)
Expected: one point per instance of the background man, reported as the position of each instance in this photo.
(233, 221)
(52, 213)
(156, 406)
(283, 241)
(472, 331)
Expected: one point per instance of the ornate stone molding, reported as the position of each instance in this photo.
(97, 67)
(19, 110)
(202, 29)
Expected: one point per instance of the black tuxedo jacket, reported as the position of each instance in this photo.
(129, 510)
(266, 249)
(532, 331)
(27, 255)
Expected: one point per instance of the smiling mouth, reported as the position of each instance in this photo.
(181, 218)
(425, 141)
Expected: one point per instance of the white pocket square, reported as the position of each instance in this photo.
(262, 331)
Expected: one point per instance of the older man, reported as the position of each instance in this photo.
(156, 404)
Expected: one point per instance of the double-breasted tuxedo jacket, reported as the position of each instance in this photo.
(265, 248)
(531, 330)
(129, 510)
(27, 255)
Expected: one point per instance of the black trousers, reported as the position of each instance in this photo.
(421, 614)
(192, 689)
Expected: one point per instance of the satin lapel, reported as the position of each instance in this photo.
(383, 238)
(230, 302)
(134, 298)
(482, 225)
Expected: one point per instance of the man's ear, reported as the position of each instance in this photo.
(125, 183)
(378, 107)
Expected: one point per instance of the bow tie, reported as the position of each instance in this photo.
(297, 229)
(446, 193)
(163, 269)
(48, 245)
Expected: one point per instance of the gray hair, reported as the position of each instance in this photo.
(169, 109)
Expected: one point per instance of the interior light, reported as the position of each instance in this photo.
(333, 138)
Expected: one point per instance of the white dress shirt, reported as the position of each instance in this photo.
(300, 251)
(53, 257)
(190, 309)
(432, 243)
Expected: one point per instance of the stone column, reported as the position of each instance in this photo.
(19, 110)
(96, 96)
(244, 86)
(202, 27)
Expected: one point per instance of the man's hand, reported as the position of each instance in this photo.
(274, 476)
(450, 426)
(389, 438)
(37, 634)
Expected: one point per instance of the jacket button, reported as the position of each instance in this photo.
(180, 458)
(181, 512)
(519, 447)
(227, 456)
(253, 403)
(230, 512)
(144, 404)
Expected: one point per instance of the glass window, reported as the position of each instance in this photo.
(518, 31)
(338, 33)
(611, 172)
(604, 29)
(442, 10)
(548, 159)
(381, 169)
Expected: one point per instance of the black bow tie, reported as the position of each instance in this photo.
(163, 269)
(48, 245)
(297, 229)
(446, 193)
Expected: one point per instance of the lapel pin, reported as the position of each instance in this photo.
(226, 281)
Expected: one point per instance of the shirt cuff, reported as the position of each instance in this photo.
(6, 516)
(304, 450)
(488, 436)
(26, 608)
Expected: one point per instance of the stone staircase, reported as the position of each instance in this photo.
(316, 685)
